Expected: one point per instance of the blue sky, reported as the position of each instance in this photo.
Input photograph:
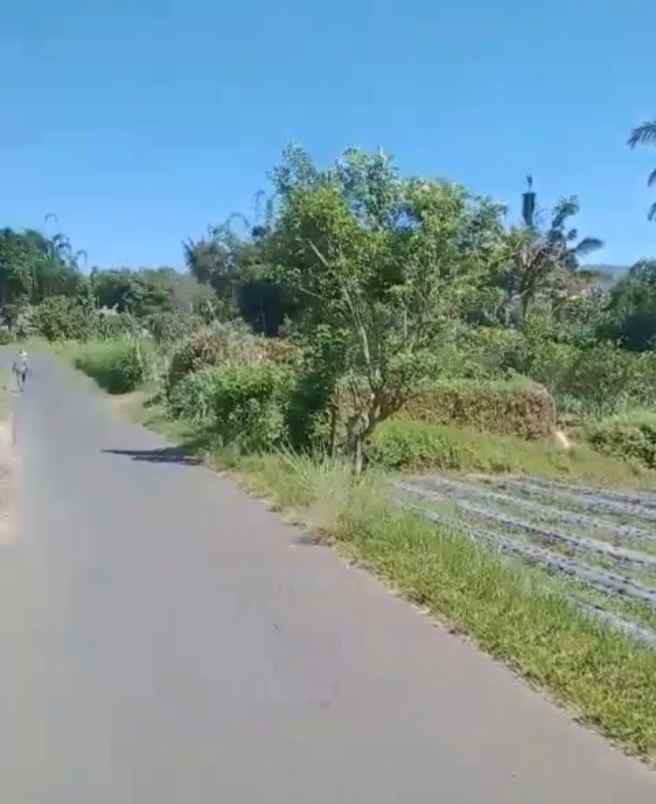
(141, 123)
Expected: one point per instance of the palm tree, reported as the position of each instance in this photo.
(645, 134)
(546, 259)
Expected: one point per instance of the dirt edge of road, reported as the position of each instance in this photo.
(8, 482)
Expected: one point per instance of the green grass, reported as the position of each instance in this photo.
(412, 446)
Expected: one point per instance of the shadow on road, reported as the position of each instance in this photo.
(165, 455)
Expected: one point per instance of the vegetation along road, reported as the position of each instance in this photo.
(167, 639)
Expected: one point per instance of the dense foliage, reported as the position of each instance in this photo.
(119, 365)
(630, 437)
(243, 404)
(351, 295)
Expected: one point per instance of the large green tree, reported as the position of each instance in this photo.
(34, 267)
(234, 260)
(631, 313)
(386, 265)
(129, 291)
(645, 134)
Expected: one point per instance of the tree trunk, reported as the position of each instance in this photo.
(334, 413)
(524, 302)
(358, 455)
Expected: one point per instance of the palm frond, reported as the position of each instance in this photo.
(588, 245)
(563, 210)
(644, 134)
(652, 178)
(237, 216)
(651, 215)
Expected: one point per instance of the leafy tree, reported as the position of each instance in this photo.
(645, 134)
(34, 267)
(544, 260)
(183, 291)
(236, 265)
(632, 308)
(386, 265)
(60, 318)
(18, 263)
(130, 292)
(296, 169)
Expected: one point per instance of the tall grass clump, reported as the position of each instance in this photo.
(119, 366)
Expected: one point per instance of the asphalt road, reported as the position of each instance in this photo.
(166, 640)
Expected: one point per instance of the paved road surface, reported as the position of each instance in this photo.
(166, 640)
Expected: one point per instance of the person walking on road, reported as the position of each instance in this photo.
(21, 369)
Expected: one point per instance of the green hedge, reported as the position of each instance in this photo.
(243, 405)
(513, 407)
(631, 437)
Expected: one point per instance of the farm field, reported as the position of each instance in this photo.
(600, 543)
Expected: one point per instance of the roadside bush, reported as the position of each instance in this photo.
(513, 407)
(490, 352)
(533, 352)
(118, 366)
(109, 325)
(630, 437)
(608, 378)
(59, 318)
(417, 446)
(171, 327)
(244, 405)
(220, 344)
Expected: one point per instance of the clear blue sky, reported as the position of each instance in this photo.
(140, 123)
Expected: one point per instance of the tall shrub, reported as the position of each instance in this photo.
(244, 405)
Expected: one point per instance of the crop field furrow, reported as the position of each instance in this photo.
(575, 533)
(619, 554)
(590, 503)
(604, 527)
(643, 498)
